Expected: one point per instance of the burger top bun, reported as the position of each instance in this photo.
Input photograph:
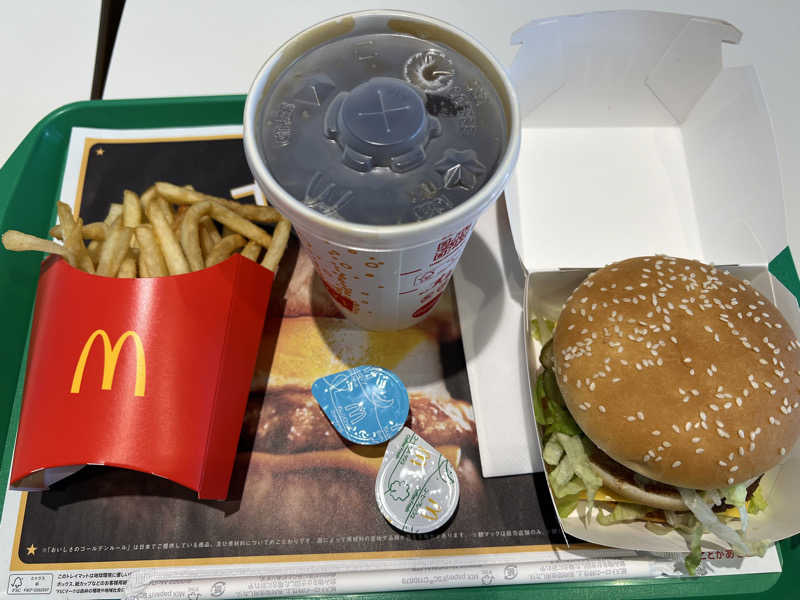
(679, 371)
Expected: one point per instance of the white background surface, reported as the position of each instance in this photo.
(47, 50)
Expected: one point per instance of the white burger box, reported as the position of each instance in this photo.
(636, 141)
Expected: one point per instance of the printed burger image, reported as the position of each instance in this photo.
(298, 487)
(297, 451)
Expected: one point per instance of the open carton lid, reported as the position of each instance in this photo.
(636, 141)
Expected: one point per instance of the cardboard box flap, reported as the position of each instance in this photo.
(615, 69)
(733, 169)
(635, 141)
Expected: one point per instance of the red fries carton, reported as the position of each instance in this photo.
(148, 374)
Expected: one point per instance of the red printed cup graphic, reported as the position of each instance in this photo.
(387, 289)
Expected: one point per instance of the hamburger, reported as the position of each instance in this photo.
(668, 389)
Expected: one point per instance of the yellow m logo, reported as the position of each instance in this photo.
(110, 356)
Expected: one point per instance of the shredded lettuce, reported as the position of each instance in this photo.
(695, 503)
(565, 505)
(715, 496)
(757, 502)
(692, 560)
(549, 409)
(682, 521)
(658, 528)
(623, 512)
(542, 329)
(563, 472)
(562, 421)
(563, 449)
(573, 486)
(552, 452)
(573, 446)
(551, 389)
(737, 496)
(539, 414)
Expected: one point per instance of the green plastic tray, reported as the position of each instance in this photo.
(30, 182)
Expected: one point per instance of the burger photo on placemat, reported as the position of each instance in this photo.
(299, 465)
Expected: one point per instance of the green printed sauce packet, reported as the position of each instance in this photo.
(417, 488)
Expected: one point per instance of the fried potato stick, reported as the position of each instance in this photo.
(280, 238)
(142, 267)
(252, 250)
(240, 225)
(73, 239)
(170, 247)
(209, 236)
(190, 234)
(114, 211)
(227, 246)
(127, 270)
(114, 251)
(94, 249)
(90, 231)
(148, 195)
(131, 209)
(16, 241)
(253, 212)
(149, 253)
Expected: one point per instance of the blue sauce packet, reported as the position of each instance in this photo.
(367, 404)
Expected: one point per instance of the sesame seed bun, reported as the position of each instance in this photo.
(679, 371)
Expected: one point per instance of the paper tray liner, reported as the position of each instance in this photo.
(150, 374)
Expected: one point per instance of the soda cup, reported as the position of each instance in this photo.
(382, 136)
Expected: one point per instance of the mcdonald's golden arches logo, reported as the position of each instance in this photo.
(110, 357)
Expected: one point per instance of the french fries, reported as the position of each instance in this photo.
(91, 231)
(73, 239)
(279, 242)
(21, 242)
(127, 270)
(251, 250)
(131, 209)
(150, 255)
(168, 230)
(190, 234)
(114, 250)
(227, 246)
(173, 253)
(252, 212)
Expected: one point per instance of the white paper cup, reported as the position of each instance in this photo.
(383, 277)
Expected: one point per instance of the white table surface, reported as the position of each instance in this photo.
(47, 51)
(192, 47)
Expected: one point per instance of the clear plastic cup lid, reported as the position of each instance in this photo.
(382, 129)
